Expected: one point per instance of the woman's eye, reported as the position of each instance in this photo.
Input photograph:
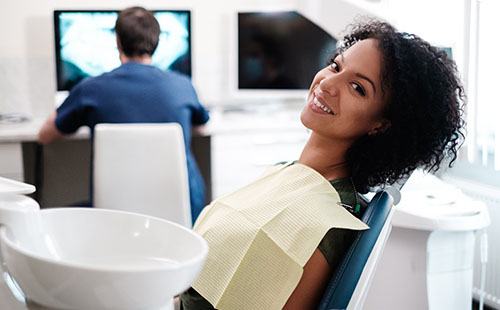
(358, 89)
(334, 66)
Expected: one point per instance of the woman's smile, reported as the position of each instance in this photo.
(318, 105)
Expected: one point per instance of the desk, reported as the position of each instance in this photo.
(61, 171)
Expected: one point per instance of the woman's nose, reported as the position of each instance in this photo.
(328, 85)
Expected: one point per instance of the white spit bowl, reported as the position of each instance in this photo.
(78, 258)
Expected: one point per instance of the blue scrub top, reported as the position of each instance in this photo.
(138, 93)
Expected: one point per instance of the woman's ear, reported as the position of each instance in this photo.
(380, 127)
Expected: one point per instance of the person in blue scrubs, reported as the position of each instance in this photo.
(135, 92)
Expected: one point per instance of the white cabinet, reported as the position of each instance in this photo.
(240, 157)
(11, 160)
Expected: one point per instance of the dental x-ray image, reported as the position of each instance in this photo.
(86, 44)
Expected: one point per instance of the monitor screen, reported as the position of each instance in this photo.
(280, 50)
(85, 44)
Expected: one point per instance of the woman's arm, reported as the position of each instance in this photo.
(309, 291)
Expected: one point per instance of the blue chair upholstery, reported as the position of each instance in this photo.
(341, 287)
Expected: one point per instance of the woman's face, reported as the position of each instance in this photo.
(345, 99)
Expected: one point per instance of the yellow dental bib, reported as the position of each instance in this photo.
(261, 236)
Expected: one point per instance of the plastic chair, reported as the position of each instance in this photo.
(142, 168)
(349, 286)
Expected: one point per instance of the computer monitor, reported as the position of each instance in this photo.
(280, 50)
(85, 43)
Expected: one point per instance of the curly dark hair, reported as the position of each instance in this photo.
(425, 108)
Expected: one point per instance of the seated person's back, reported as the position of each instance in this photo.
(135, 92)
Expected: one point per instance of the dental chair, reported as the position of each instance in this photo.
(349, 285)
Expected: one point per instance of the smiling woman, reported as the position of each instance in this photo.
(345, 96)
(387, 103)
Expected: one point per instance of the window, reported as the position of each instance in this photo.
(482, 160)
(488, 67)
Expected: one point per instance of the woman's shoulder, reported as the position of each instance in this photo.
(336, 242)
(346, 190)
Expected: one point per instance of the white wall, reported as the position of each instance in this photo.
(333, 16)
(27, 70)
(25, 77)
(440, 22)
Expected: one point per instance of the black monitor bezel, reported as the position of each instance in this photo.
(57, 37)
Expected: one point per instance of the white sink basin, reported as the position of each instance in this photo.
(82, 258)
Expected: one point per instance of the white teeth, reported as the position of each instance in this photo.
(321, 106)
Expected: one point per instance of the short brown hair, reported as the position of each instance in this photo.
(137, 31)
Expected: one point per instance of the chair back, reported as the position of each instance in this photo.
(349, 286)
(142, 168)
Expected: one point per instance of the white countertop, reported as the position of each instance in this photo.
(272, 117)
(28, 131)
(268, 119)
(429, 203)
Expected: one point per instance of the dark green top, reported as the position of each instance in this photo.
(334, 244)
